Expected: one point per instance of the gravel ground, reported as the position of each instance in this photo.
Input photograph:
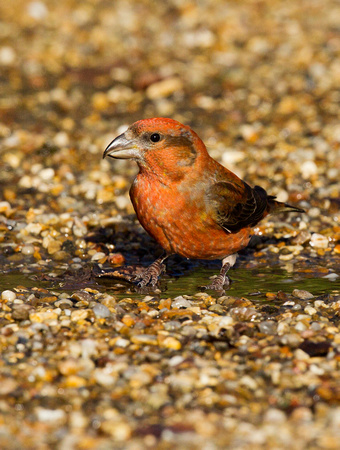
(88, 362)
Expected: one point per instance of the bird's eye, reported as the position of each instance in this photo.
(155, 137)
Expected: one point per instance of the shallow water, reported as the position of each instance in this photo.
(244, 282)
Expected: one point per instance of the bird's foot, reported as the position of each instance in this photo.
(151, 274)
(221, 280)
(218, 284)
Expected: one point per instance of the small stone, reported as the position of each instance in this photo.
(7, 385)
(7, 56)
(303, 295)
(144, 339)
(172, 343)
(82, 296)
(8, 295)
(97, 256)
(43, 316)
(308, 168)
(50, 416)
(310, 310)
(249, 382)
(37, 10)
(78, 315)
(105, 377)
(274, 415)
(52, 246)
(27, 250)
(68, 367)
(75, 381)
(47, 174)
(319, 241)
(180, 302)
(78, 420)
(34, 228)
(101, 311)
(120, 342)
(118, 430)
(218, 309)
(267, 327)
(164, 88)
(331, 276)
(244, 313)
(303, 237)
(21, 312)
(64, 303)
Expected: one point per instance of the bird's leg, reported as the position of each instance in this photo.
(151, 273)
(222, 279)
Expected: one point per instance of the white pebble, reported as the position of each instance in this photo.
(97, 256)
(8, 295)
(308, 168)
(37, 10)
(27, 249)
(180, 302)
(122, 201)
(46, 174)
(310, 310)
(7, 56)
(50, 415)
(319, 241)
(101, 311)
(61, 139)
(5, 207)
(274, 415)
(331, 276)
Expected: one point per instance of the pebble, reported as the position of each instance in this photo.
(101, 311)
(303, 295)
(267, 327)
(105, 377)
(310, 310)
(78, 315)
(144, 339)
(21, 312)
(50, 416)
(43, 316)
(180, 302)
(118, 430)
(27, 250)
(97, 256)
(319, 241)
(274, 415)
(331, 276)
(171, 343)
(164, 88)
(8, 295)
(47, 174)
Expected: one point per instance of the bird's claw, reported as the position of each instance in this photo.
(150, 275)
(218, 284)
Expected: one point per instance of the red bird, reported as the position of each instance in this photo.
(188, 202)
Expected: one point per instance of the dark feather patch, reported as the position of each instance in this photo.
(235, 215)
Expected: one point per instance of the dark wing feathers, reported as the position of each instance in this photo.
(234, 207)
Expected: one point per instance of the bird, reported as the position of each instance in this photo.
(186, 200)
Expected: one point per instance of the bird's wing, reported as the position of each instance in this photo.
(235, 206)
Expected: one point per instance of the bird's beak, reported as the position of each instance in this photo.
(121, 148)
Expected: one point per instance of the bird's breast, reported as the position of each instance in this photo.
(178, 220)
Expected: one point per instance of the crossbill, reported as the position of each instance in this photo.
(188, 202)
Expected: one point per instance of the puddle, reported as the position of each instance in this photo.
(245, 282)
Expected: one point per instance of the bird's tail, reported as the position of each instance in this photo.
(276, 207)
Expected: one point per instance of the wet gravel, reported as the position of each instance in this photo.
(93, 363)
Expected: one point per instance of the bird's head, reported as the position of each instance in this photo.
(161, 146)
